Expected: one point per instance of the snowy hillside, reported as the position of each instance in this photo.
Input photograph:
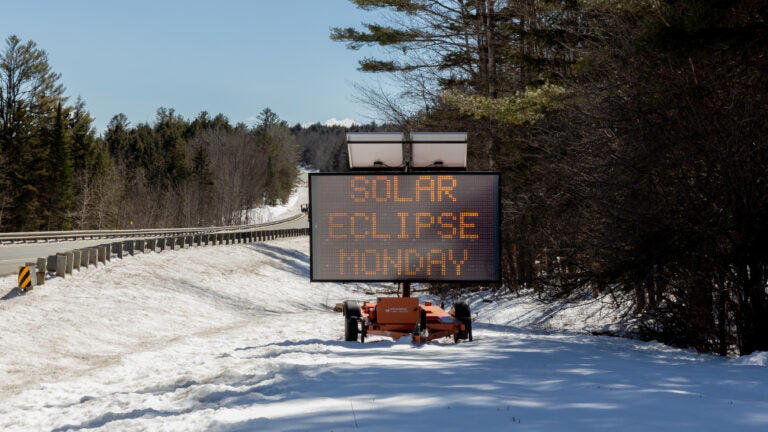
(235, 338)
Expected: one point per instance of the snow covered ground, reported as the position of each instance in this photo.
(235, 338)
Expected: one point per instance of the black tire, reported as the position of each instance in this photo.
(351, 315)
(350, 329)
(423, 320)
(462, 313)
(363, 333)
(351, 309)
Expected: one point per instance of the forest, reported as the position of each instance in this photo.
(631, 137)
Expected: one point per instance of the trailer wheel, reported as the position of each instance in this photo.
(351, 309)
(461, 312)
(351, 314)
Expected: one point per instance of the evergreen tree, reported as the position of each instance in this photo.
(29, 94)
(59, 191)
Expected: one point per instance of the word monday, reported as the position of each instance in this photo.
(404, 227)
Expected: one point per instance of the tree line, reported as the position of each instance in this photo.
(631, 136)
(57, 174)
(325, 147)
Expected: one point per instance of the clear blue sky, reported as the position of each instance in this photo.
(235, 57)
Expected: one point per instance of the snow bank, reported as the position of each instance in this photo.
(606, 314)
(758, 358)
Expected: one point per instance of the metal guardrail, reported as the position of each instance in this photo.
(63, 263)
(47, 236)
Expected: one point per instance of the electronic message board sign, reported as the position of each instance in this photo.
(404, 227)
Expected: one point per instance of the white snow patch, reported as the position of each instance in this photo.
(757, 358)
(604, 314)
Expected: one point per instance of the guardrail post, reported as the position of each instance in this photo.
(93, 254)
(161, 243)
(102, 251)
(128, 245)
(140, 245)
(70, 261)
(152, 244)
(61, 265)
(180, 242)
(76, 257)
(40, 274)
(108, 250)
(118, 248)
(171, 243)
(83, 258)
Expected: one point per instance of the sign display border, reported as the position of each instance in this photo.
(411, 173)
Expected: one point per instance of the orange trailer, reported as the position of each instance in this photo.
(396, 317)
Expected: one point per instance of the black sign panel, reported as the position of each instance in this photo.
(404, 227)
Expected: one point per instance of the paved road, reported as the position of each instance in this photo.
(12, 256)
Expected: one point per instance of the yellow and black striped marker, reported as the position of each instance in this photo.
(25, 278)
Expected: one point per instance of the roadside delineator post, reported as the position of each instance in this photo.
(25, 278)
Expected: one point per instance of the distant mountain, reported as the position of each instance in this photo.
(346, 123)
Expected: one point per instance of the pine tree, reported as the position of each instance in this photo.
(59, 191)
(30, 93)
